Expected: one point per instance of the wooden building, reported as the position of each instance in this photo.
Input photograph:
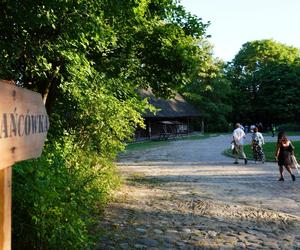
(174, 117)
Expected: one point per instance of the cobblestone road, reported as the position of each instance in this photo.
(187, 195)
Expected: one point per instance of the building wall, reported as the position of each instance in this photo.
(154, 127)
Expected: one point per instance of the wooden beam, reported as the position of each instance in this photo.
(5, 208)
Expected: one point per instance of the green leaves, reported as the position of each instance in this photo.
(265, 74)
(87, 58)
(58, 195)
(211, 92)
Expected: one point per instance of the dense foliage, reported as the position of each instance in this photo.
(210, 92)
(87, 58)
(261, 84)
(266, 78)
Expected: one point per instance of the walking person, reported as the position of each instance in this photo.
(238, 140)
(273, 130)
(284, 150)
(257, 146)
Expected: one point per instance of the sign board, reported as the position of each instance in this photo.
(23, 124)
(23, 129)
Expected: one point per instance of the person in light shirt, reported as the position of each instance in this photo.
(238, 140)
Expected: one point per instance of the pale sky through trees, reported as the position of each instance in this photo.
(235, 22)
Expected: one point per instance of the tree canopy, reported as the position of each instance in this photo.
(266, 80)
(87, 58)
(210, 92)
(78, 53)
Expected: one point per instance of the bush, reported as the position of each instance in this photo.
(57, 196)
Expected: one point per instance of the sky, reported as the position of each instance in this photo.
(235, 22)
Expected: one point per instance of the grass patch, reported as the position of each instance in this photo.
(152, 144)
(197, 137)
(145, 145)
(269, 149)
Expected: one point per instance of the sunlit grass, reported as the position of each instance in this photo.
(145, 145)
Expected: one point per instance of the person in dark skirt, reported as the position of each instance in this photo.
(284, 150)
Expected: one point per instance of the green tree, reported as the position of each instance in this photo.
(210, 92)
(265, 76)
(87, 58)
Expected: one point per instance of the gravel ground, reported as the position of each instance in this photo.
(187, 195)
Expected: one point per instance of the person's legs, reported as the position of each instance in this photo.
(281, 173)
(255, 153)
(290, 171)
(263, 157)
(243, 153)
(261, 154)
(236, 155)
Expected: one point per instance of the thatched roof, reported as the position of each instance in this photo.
(176, 107)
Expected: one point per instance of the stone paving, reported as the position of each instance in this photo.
(187, 195)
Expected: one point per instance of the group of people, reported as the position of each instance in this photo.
(283, 154)
(257, 142)
(251, 128)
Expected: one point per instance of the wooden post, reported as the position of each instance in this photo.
(5, 208)
(24, 125)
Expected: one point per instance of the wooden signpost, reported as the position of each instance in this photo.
(23, 129)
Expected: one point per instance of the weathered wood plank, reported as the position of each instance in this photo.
(23, 124)
(23, 129)
(5, 208)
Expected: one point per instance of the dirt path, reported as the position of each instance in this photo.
(187, 195)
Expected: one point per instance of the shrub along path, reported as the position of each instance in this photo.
(187, 195)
